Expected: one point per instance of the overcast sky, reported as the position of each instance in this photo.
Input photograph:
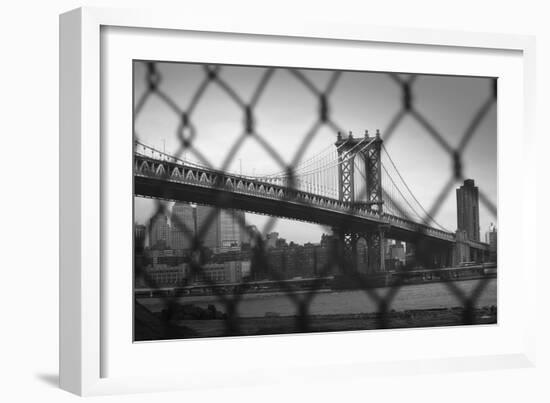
(360, 100)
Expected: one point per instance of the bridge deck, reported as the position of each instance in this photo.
(173, 180)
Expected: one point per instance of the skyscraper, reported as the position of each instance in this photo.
(207, 225)
(230, 229)
(467, 207)
(139, 237)
(491, 239)
(183, 226)
(220, 230)
(159, 235)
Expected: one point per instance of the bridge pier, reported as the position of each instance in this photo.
(348, 251)
(352, 151)
(443, 257)
(376, 262)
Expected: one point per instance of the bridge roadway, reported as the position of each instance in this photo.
(172, 180)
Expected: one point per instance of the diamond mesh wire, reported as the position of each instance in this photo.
(187, 134)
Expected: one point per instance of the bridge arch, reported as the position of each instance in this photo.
(144, 167)
(160, 170)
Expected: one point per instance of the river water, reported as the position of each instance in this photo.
(417, 296)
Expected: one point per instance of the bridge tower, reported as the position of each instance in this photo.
(368, 151)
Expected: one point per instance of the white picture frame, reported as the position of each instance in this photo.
(89, 318)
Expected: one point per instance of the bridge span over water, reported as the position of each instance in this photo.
(321, 190)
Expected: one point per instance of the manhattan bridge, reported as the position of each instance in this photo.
(352, 186)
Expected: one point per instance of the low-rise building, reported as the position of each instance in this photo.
(163, 275)
(228, 272)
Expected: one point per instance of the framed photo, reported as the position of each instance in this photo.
(289, 198)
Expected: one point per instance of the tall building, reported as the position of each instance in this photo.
(489, 233)
(207, 224)
(183, 226)
(491, 239)
(467, 207)
(139, 237)
(231, 234)
(159, 234)
(221, 230)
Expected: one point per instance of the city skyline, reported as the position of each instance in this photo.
(177, 229)
(483, 232)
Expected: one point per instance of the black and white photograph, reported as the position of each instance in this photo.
(302, 201)
(272, 200)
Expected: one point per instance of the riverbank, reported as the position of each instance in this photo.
(326, 284)
(328, 302)
(198, 328)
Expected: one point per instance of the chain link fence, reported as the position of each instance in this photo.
(171, 319)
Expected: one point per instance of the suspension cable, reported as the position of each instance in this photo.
(411, 193)
(399, 191)
(332, 164)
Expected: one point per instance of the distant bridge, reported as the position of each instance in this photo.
(323, 190)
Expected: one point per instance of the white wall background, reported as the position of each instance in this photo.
(29, 246)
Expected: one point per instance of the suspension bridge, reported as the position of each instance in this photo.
(353, 186)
